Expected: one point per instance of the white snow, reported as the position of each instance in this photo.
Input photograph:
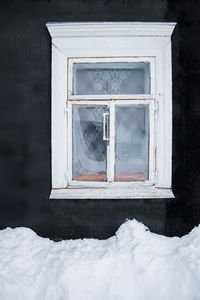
(135, 264)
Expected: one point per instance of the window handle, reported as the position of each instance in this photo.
(105, 126)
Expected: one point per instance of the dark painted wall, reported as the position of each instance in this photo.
(25, 120)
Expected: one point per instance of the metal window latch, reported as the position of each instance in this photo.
(105, 127)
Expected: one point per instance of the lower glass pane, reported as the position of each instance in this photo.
(89, 149)
(132, 142)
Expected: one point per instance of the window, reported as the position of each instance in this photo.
(110, 132)
(111, 110)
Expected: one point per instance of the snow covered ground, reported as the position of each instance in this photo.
(135, 264)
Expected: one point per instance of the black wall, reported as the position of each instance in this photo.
(25, 61)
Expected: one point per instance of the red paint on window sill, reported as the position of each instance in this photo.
(130, 177)
(119, 177)
(92, 177)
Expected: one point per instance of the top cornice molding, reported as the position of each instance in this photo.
(66, 29)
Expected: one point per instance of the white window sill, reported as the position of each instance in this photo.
(112, 193)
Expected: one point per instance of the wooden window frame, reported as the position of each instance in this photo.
(89, 42)
(71, 61)
(111, 146)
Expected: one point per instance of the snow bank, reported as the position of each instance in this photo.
(135, 264)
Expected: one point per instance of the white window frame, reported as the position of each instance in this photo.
(111, 145)
(76, 42)
(151, 60)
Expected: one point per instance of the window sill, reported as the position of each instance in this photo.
(112, 193)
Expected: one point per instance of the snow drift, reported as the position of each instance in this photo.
(135, 264)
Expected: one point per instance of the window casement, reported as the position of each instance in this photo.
(111, 110)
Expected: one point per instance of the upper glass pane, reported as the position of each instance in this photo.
(111, 78)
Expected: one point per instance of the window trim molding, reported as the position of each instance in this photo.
(117, 193)
(67, 29)
(71, 40)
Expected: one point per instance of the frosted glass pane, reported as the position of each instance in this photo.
(89, 149)
(132, 142)
(111, 78)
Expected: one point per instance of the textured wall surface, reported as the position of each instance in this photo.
(25, 70)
